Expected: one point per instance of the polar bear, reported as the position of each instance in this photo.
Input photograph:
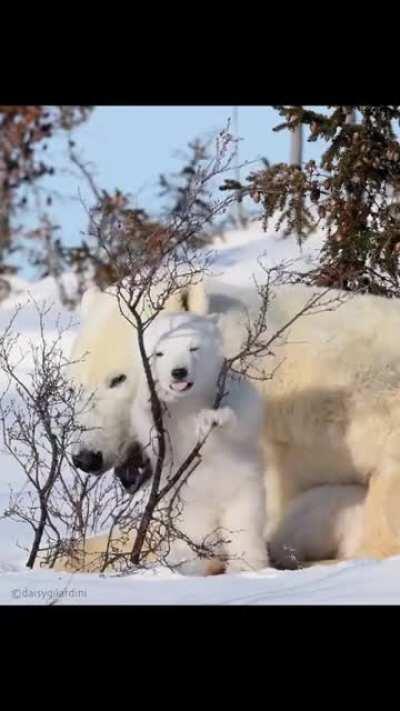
(224, 496)
(332, 401)
(334, 415)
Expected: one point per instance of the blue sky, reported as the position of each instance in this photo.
(130, 146)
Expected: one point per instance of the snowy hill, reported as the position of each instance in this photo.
(358, 582)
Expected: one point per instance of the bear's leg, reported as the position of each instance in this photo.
(280, 483)
(242, 524)
(198, 525)
(322, 523)
(381, 523)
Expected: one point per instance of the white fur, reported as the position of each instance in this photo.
(323, 523)
(224, 494)
(333, 405)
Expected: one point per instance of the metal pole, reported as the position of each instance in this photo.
(296, 146)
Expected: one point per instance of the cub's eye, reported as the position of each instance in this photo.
(194, 348)
(159, 354)
(117, 380)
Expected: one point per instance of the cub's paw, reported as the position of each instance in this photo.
(247, 564)
(208, 419)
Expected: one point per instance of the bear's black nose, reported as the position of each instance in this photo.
(90, 462)
(179, 373)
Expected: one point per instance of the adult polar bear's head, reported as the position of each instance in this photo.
(185, 351)
(105, 366)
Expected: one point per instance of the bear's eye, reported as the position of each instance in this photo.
(159, 354)
(194, 348)
(117, 380)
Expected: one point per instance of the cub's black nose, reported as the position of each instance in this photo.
(179, 373)
(90, 462)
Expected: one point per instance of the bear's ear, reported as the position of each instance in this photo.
(88, 300)
(191, 298)
(197, 299)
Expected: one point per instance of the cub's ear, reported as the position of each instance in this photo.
(88, 300)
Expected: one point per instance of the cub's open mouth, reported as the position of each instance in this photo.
(180, 387)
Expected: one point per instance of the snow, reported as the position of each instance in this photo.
(242, 254)
(353, 582)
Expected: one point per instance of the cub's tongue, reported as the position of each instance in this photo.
(180, 386)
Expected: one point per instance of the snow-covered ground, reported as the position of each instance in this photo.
(354, 582)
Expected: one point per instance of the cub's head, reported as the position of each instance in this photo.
(186, 354)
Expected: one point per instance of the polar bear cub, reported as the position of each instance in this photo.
(223, 498)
